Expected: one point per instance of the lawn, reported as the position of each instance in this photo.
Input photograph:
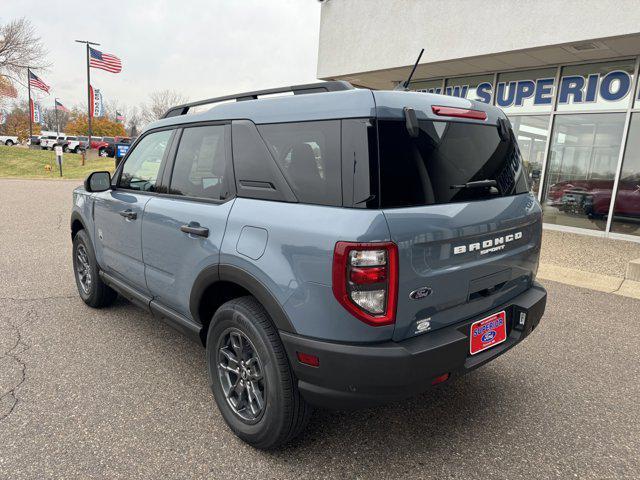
(22, 162)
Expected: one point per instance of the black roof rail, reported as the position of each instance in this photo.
(318, 87)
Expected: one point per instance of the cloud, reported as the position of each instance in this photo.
(198, 48)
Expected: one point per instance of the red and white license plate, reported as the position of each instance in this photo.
(488, 332)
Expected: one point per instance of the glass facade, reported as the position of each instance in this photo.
(578, 128)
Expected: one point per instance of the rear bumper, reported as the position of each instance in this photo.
(353, 376)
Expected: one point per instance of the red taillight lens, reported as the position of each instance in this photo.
(458, 112)
(365, 280)
(367, 275)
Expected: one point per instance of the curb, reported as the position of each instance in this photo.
(590, 280)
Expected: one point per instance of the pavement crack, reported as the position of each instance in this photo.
(14, 352)
(35, 299)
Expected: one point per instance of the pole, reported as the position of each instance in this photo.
(89, 99)
(55, 107)
(30, 108)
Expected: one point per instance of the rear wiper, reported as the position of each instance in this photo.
(476, 184)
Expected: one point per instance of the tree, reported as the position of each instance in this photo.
(49, 119)
(158, 104)
(100, 126)
(20, 48)
(133, 121)
(17, 123)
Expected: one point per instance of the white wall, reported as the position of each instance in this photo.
(366, 35)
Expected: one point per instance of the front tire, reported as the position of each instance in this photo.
(102, 152)
(250, 376)
(9, 143)
(93, 291)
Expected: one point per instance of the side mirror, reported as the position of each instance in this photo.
(98, 182)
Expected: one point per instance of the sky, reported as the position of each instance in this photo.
(199, 48)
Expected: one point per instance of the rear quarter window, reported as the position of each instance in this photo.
(308, 154)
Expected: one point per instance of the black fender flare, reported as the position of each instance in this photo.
(239, 276)
(76, 216)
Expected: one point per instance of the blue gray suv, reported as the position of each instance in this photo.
(333, 247)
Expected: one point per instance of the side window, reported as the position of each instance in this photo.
(140, 171)
(200, 168)
(309, 155)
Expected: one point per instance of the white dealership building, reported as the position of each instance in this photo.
(564, 71)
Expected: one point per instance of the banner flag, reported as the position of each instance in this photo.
(97, 106)
(35, 112)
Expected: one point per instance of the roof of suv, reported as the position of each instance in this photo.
(351, 103)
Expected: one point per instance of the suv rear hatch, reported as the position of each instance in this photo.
(457, 204)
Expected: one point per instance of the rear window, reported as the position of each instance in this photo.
(432, 168)
(308, 153)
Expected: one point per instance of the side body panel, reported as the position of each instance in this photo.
(117, 239)
(82, 210)
(288, 247)
(173, 259)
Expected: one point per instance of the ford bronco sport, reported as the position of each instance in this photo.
(337, 247)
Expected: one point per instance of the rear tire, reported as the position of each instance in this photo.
(93, 291)
(102, 152)
(260, 357)
(9, 143)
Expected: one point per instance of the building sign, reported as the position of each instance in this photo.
(585, 87)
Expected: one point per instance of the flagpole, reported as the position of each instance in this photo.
(30, 111)
(55, 107)
(89, 99)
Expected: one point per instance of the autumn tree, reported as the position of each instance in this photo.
(100, 126)
(17, 123)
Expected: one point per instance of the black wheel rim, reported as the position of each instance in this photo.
(83, 270)
(241, 375)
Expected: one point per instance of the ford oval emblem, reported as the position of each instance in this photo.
(421, 292)
(487, 337)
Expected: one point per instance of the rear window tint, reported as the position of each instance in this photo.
(308, 153)
(432, 168)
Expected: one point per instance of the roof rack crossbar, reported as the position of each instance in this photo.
(319, 87)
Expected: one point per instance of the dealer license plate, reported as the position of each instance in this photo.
(488, 332)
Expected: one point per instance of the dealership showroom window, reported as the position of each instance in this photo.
(578, 127)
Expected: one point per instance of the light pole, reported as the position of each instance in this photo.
(89, 99)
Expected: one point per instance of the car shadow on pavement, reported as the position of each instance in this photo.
(437, 422)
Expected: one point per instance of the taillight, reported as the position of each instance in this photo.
(365, 280)
(458, 112)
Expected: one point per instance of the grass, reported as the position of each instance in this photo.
(20, 162)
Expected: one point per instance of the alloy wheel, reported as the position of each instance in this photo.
(241, 376)
(83, 269)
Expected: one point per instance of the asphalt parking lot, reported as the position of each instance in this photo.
(116, 394)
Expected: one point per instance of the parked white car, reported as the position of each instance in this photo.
(8, 140)
(50, 141)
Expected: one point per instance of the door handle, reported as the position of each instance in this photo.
(194, 228)
(129, 214)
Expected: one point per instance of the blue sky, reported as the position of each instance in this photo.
(196, 47)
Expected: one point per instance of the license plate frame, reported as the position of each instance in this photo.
(485, 339)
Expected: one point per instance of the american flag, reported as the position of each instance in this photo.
(34, 81)
(104, 61)
(59, 106)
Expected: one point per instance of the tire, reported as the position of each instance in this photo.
(9, 143)
(284, 413)
(95, 292)
(102, 152)
(65, 149)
